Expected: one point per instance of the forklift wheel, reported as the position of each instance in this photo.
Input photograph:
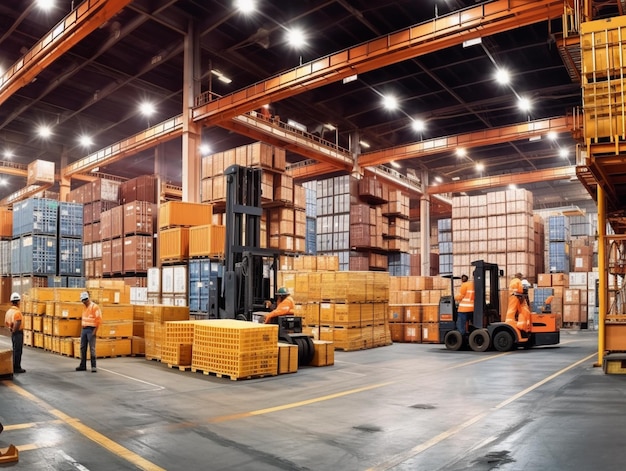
(479, 340)
(503, 341)
(306, 350)
(453, 340)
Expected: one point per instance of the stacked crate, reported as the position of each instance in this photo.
(287, 224)
(97, 198)
(6, 233)
(178, 344)
(497, 227)
(34, 244)
(174, 285)
(444, 231)
(311, 215)
(175, 220)
(138, 236)
(539, 229)
(414, 308)
(603, 64)
(202, 273)
(346, 308)
(155, 317)
(236, 349)
(558, 244)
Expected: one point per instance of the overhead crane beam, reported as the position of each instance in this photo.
(141, 141)
(485, 183)
(24, 193)
(433, 35)
(76, 26)
(485, 137)
(282, 135)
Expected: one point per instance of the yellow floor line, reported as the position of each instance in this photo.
(399, 459)
(90, 433)
(8, 428)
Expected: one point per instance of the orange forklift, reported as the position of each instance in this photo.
(486, 329)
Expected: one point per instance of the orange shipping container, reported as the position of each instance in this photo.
(6, 223)
(178, 213)
(174, 243)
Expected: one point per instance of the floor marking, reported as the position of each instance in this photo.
(90, 433)
(30, 425)
(156, 386)
(71, 460)
(297, 404)
(459, 428)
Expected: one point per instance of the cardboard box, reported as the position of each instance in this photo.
(544, 280)
(6, 362)
(324, 353)
(287, 358)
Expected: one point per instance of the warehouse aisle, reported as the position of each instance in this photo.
(402, 407)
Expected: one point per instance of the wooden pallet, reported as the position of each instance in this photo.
(180, 367)
(231, 377)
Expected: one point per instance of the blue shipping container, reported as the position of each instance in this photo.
(38, 255)
(35, 216)
(70, 257)
(71, 220)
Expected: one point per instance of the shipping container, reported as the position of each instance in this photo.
(178, 213)
(35, 216)
(70, 256)
(138, 253)
(139, 218)
(70, 220)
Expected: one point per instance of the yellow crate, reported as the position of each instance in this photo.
(28, 338)
(66, 346)
(117, 312)
(179, 332)
(287, 358)
(324, 353)
(105, 348)
(115, 329)
(28, 322)
(178, 213)
(176, 354)
(47, 325)
(160, 313)
(138, 346)
(42, 294)
(47, 342)
(68, 310)
(63, 295)
(38, 323)
(66, 327)
(38, 339)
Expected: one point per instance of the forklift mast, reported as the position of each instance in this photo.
(246, 281)
(486, 293)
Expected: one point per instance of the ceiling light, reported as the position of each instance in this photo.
(512, 186)
(523, 104)
(85, 141)
(205, 149)
(296, 38)
(349, 79)
(480, 167)
(95, 169)
(45, 4)
(220, 76)
(563, 153)
(390, 102)
(44, 131)
(364, 144)
(147, 108)
(552, 135)
(438, 179)
(503, 77)
(461, 152)
(3, 181)
(418, 125)
(8, 154)
(245, 6)
(456, 179)
(330, 127)
(395, 164)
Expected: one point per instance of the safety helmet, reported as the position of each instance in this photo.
(84, 296)
(15, 297)
(282, 292)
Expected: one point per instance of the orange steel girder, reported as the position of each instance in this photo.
(485, 137)
(303, 150)
(439, 33)
(550, 174)
(72, 29)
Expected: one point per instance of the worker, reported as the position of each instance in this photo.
(92, 318)
(465, 298)
(517, 313)
(547, 305)
(13, 320)
(284, 307)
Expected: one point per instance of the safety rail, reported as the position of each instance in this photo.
(66, 33)
(170, 128)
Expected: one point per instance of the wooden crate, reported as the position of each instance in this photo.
(324, 353)
(287, 358)
(179, 213)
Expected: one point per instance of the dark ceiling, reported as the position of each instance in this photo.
(97, 86)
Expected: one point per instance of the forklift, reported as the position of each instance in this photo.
(248, 277)
(486, 330)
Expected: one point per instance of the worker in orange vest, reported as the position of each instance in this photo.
(284, 307)
(547, 305)
(465, 299)
(92, 318)
(518, 312)
(13, 320)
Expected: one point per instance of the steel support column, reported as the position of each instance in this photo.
(425, 227)
(191, 131)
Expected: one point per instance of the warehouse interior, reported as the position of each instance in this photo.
(395, 143)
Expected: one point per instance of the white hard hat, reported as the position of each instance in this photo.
(15, 297)
(84, 296)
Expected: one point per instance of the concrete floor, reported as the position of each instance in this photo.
(402, 407)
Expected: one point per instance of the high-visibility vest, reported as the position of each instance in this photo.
(466, 304)
(92, 317)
